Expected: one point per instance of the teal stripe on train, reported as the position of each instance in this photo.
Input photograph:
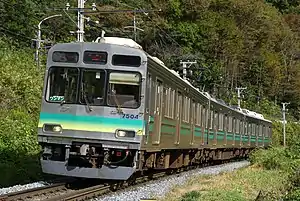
(91, 123)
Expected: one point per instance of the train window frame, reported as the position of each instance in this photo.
(221, 121)
(264, 131)
(193, 112)
(211, 118)
(186, 112)
(230, 120)
(166, 103)
(198, 109)
(148, 102)
(158, 88)
(91, 62)
(61, 51)
(260, 130)
(242, 127)
(172, 101)
(204, 120)
(250, 129)
(216, 120)
(47, 85)
(140, 88)
(126, 65)
(104, 102)
(178, 108)
(225, 125)
(238, 126)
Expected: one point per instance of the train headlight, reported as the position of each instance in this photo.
(52, 128)
(121, 133)
(57, 128)
(124, 133)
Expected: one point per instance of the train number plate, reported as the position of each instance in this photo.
(130, 116)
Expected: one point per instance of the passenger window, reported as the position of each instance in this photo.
(124, 89)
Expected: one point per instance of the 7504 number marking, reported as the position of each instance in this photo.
(130, 116)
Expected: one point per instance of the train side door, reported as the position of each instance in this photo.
(148, 106)
(178, 116)
(158, 112)
(193, 121)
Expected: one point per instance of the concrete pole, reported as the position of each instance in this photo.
(39, 38)
(284, 121)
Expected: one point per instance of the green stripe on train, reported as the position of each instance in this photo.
(168, 127)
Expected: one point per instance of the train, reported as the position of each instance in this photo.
(109, 110)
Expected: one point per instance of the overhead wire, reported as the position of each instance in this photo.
(165, 33)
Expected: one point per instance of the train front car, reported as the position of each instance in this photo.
(92, 115)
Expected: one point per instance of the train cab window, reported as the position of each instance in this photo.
(92, 87)
(62, 85)
(126, 60)
(124, 89)
(65, 57)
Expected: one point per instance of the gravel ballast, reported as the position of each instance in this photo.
(161, 187)
(22, 187)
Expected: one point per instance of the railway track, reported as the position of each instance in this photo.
(99, 190)
(32, 194)
(62, 191)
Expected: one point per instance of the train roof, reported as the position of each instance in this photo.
(119, 41)
(132, 44)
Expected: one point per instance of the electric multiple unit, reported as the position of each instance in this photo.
(110, 110)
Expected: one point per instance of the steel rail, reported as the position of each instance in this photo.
(33, 192)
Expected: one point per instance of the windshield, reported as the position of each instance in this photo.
(92, 88)
(124, 89)
(62, 85)
(65, 86)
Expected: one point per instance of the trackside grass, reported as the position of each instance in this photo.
(242, 184)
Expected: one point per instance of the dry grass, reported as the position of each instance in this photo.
(243, 184)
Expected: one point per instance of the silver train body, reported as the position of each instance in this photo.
(109, 110)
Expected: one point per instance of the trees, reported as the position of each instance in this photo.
(236, 42)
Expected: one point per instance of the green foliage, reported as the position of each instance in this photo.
(20, 87)
(191, 196)
(276, 158)
(213, 196)
(286, 160)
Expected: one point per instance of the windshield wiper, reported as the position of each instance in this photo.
(119, 109)
(85, 98)
(62, 102)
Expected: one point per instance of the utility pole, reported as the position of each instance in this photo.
(39, 38)
(134, 27)
(80, 21)
(80, 17)
(284, 121)
(240, 89)
(184, 66)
